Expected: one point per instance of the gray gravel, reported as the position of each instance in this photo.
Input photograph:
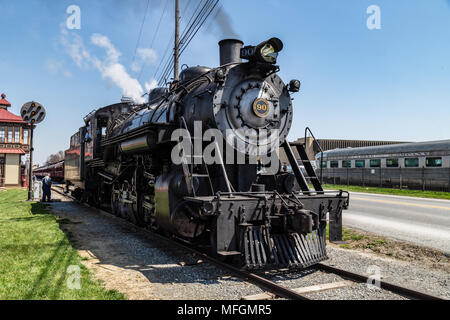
(313, 277)
(116, 245)
(403, 273)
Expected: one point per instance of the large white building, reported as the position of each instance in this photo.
(14, 143)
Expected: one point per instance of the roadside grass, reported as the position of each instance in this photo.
(35, 255)
(397, 192)
(368, 242)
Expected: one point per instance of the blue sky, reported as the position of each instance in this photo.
(386, 84)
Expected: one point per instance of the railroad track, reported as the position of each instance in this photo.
(273, 290)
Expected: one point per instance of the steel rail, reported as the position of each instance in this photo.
(243, 274)
(409, 293)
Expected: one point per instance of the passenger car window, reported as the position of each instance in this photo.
(334, 164)
(375, 163)
(346, 164)
(324, 164)
(360, 163)
(392, 163)
(434, 162)
(411, 162)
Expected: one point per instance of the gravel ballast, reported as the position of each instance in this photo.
(142, 268)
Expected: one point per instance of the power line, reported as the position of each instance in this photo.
(140, 32)
(154, 36)
(169, 60)
(190, 32)
(163, 57)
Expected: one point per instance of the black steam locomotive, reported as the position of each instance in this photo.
(243, 205)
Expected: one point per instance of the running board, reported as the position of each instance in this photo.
(262, 250)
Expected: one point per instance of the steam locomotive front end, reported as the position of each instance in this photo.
(262, 219)
(227, 184)
(247, 101)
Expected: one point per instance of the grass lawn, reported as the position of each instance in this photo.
(396, 192)
(35, 255)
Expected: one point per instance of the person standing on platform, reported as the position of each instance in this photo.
(47, 188)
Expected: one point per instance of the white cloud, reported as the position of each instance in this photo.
(151, 85)
(56, 67)
(143, 56)
(147, 55)
(74, 47)
(120, 77)
(103, 42)
(109, 67)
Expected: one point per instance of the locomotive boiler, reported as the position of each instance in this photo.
(199, 162)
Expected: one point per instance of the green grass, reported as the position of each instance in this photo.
(35, 255)
(397, 192)
(348, 234)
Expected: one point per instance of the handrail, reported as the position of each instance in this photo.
(320, 148)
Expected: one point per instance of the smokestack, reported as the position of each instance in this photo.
(230, 51)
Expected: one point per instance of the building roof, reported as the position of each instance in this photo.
(12, 151)
(4, 102)
(396, 149)
(6, 116)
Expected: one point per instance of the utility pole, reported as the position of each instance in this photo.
(32, 113)
(30, 168)
(176, 53)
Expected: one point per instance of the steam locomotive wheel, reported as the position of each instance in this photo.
(137, 209)
(115, 199)
(125, 203)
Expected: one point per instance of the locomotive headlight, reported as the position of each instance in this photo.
(266, 51)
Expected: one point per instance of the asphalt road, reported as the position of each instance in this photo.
(420, 221)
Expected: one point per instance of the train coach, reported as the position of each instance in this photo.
(422, 166)
(55, 170)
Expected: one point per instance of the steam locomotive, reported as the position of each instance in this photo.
(242, 205)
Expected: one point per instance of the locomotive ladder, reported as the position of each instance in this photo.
(189, 170)
(312, 176)
(311, 173)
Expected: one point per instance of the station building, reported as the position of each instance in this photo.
(14, 144)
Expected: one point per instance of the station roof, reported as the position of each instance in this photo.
(417, 147)
(12, 151)
(6, 116)
(4, 102)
